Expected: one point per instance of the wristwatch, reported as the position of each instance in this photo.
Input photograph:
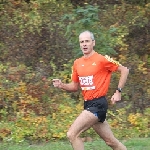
(119, 89)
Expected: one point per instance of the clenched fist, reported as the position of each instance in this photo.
(116, 97)
(57, 83)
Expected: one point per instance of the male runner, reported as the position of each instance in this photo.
(92, 72)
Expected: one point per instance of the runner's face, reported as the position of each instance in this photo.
(86, 43)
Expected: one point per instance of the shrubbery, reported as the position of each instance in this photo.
(35, 111)
(128, 125)
(33, 47)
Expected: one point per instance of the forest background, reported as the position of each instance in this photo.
(39, 42)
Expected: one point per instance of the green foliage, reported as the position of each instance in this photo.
(33, 51)
(86, 18)
(34, 112)
(127, 125)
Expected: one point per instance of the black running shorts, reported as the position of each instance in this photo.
(98, 106)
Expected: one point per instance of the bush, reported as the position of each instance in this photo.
(32, 110)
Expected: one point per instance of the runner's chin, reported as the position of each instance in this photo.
(85, 51)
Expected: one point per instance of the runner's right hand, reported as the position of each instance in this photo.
(57, 83)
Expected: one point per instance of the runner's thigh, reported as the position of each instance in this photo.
(83, 122)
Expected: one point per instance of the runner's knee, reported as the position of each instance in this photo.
(109, 143)
(112, 143)
(115, 144)
(70, 136)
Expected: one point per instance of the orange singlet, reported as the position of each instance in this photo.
(93, 74)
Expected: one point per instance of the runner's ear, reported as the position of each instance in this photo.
(93, 42)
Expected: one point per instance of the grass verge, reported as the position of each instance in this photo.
(132, 144)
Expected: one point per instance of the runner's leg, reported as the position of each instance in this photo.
(104, 131)
(83, 122)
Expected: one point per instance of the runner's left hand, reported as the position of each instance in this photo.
(116, 97)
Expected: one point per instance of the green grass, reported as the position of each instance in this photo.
(132, 144)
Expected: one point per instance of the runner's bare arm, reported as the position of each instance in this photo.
(73, 86)
(124, 74)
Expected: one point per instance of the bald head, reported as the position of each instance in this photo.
(87, 33)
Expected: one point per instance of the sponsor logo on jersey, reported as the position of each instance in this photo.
(94, 64)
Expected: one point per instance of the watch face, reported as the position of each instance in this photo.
(119, 89)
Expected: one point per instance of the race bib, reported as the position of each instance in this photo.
(86, 83)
